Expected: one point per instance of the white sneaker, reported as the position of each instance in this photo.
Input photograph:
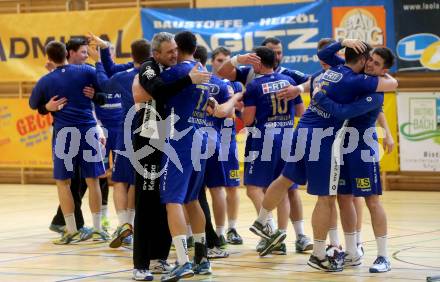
(217, 253)
(349, 260)
(142, 275)
(161, 267)
(360, 250)
(381, 264)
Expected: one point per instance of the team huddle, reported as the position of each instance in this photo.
(170, 127)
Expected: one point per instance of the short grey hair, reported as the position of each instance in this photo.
(160, 37)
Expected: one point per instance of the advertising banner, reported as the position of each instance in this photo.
(25, 136)
(417, 35)
(24, 36)
(298, 25)
(419, 131)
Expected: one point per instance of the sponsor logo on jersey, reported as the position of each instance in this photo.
(274, 86)
(332, 76)
(363, 183)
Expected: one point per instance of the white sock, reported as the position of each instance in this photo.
(181, 249)
(200, 238)
(104, 211)
(122, 217)
(189, 232)
(271, 223)
(350, 244)
(263, 216)
(334, 238)
(382, 246)
(319, 249)
(130, 216)
(358, 237)
(232, 224)
(70, 223)
(220, 230)
(298, 226)
(97, 221)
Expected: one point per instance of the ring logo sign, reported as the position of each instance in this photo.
(411, 48)
(365, 23)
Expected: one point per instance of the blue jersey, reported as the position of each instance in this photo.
(246, 74)
(343, 86)
(271, 112)
(68, 81)
(362, 113)
(110, 67)
(111, 113)
(220, 91)
(329, 56)
(189, 105)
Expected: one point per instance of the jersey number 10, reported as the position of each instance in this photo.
(278, 106)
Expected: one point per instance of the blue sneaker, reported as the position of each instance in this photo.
(85, 233)
(142, 275)
(179, 272)
(203, 268)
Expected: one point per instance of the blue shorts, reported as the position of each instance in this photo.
(123, 170)
(262, 172)
(360, 178)
(319, 169)
(112, 144)
(223, 173)
(88, 157)
(181, 187)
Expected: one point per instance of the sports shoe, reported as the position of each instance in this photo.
(303, 243)
(261, 244)
(260, 230)
(84, 233)
(120, 234)
(350, 260)
(327, 264)
(360, 250)
(190, 242)
(381, 264)
(128, 241)
(331, 250)
(280, 249)
(105, 223)
(179, 272)
(203, 268)
(222, 241)
(100, 236)
(142, 275)
(217, 253)
(161, 267)
(57, 228)
(277, 237)
(67, 238)
(233, 237)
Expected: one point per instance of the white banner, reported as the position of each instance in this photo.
(419, 131)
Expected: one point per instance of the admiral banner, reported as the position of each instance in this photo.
(298, 25)
(24, 36)
(418, 35)
(25, 136)
(419, 124)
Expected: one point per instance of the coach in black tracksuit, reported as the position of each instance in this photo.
(152, 239)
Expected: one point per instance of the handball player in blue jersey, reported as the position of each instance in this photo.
(318, 166)
(226, 201)
(182, 181)
(359, 177)
(271, 117)
(75, 134)
(244, 74)
(123, 176)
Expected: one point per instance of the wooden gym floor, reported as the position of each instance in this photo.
(27, 254)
